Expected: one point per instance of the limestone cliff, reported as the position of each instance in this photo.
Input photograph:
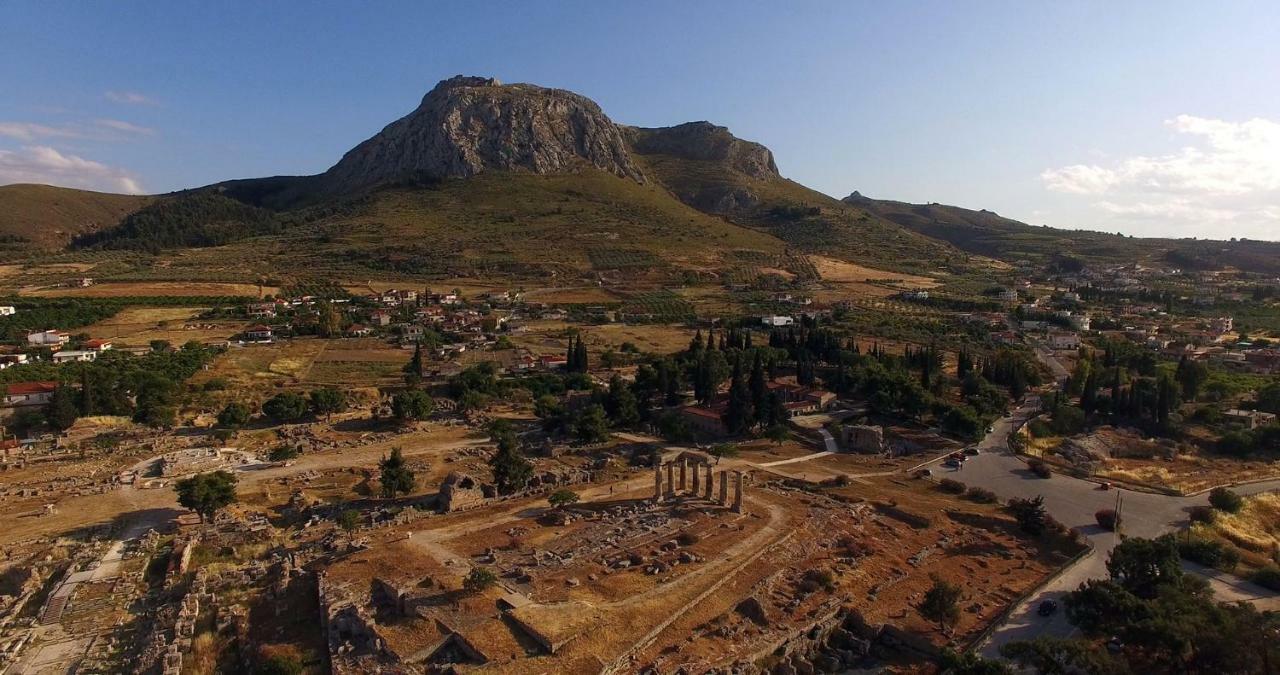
(466, 125)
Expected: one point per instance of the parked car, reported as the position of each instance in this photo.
(1047, 607)
(953, 463)
(971, 451)
(1104, 485)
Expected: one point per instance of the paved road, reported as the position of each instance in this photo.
(1074, 502)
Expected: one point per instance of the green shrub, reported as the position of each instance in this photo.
(1267, 577)
(1209, 553)
(953, 486)
(981, 495)
(1225, 500)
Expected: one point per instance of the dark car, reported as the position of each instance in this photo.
(1047, 607)
(971, 451)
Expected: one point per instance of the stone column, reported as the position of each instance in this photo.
(671, 475)
(724, 487)
(737, 492)
(684, 475)
(711, 481)
(695, 484)
(657, 482)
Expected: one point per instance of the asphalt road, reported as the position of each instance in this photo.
(1074, 502)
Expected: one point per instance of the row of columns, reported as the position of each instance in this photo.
(695, 484)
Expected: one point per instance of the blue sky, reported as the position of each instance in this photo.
(1151, 118)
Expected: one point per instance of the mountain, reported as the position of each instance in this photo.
(484, 178)
(47, 217)
(466, 125)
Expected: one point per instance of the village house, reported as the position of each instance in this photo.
(358, 330)
(705, 420)
(1264, 361)
(799, 400)
(10, 360)
(48, 338)
(258, 333)
(75, 355)
(1064, 340)
(380, 317)
(1251, 419)
(8, 310)
(261, 310)
(777, 321)
(552, 361)
(97, 345)
(82, 282)
(20, 394)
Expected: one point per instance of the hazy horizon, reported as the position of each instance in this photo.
(1154, 120)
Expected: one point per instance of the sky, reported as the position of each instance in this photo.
(1147, 118)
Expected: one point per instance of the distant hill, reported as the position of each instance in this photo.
(47, 217)
(708, 168)
(986, 233)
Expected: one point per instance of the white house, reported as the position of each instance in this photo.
(28, 393)
(1059, 340)
(1080, 321)
(8, 310)
(776, 321)
(73, 355)
(45, 338)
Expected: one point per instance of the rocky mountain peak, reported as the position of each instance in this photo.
(467, 125)
(708, 142)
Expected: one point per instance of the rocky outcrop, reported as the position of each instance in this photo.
(705, 141)
(468, 125)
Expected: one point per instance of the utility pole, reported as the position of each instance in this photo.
(1119, 509)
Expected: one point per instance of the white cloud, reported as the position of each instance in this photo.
(124, 127)
(1226, 182)
(129, 98)
(100, 130)
(30, 131)
(42, 164)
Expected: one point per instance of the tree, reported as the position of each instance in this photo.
(549, 409)
(1030, 514)
(1191, 375)
(1059, 656)
(285, 407)
(327, 401)
(563, 497)
(620, 403)
(478, 580)
(721, 450)
(61, 412)
(410, 405)
(738, 414)
(1107, 519)
(941, 604)
(759, 387)
(280, 664)
(1269, 398)
(207, 493)
(349, 519)
(394, 476)
(511, 471)
(235, 414)
(329, 323)
(1225, 500)
(970, 663)
(1142, 566)
(413, 369)
(777, 433)
(592, 426)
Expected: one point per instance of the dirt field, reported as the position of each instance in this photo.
(575, 295)
(117, 289)
(840, 271)
(137, 326)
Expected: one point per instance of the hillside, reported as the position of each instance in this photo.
(986, 233)
(708, 168)
(47, 217)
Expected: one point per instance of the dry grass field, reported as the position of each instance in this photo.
(137, 326)
(123, 289)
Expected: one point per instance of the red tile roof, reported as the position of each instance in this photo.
(28, 388)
